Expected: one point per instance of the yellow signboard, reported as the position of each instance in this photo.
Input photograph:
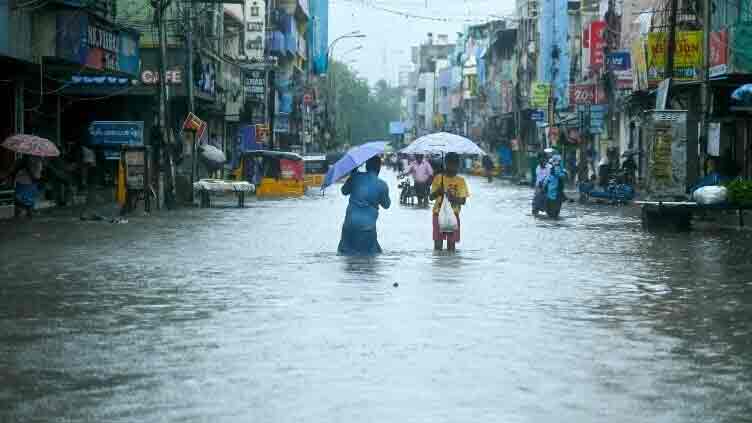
(540, 92)
(688, 56)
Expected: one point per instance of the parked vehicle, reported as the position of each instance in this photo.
(282, 173)
(315, 168)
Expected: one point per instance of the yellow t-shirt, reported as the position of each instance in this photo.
(456, 183)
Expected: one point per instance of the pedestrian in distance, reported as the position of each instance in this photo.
(488, 166)
(422, 172)
(452, 187)
(554, 187)
(367, 193)
(541, 173)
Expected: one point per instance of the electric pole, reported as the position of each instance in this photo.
(160, 6)
(189, 85)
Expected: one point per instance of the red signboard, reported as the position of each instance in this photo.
(581, 93)
(718, 53)
(597, 44)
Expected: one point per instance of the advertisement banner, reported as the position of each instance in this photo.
(255, 18)
(540, 93)
(597, 45)
(718, 53)
(640, 73)
(116, 133)
(688, 57)
(318, 35)
(618, 61)
(554, 59)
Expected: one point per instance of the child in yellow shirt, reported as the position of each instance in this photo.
(455, 188)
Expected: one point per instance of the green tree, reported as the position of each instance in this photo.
(359, 112)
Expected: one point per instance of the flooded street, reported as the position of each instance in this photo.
(230, 315)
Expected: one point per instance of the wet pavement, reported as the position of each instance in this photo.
(228, 315)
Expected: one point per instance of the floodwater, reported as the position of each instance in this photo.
(229, 315)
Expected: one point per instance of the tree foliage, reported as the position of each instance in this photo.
(360, 113)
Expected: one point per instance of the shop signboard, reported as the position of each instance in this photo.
(151, 77)
(538, 115)
(718, 53)
(618, 61)
(255, 85)
(96, 44)
(541, 91)
(254, 34)
(714, 139)
(116, 133)
(597, 117)
(582, 94)
(688, 56)
(597, 45)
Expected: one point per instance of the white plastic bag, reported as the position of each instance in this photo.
(714, 194)
(447, 218)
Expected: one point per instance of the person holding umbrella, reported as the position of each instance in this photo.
(28, 170)
(367, 193)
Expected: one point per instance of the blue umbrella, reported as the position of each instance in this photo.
(352, 160)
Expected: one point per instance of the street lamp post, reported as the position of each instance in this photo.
(332, 85)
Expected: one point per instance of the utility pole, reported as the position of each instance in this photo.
(189, 86)
(706, 91)
(669, 72)
(160, 6)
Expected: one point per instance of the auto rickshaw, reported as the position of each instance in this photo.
(275, 173)
(315, 170)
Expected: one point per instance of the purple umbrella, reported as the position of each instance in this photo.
(352, 160)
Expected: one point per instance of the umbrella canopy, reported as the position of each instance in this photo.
(31, 145)
(352, 160)
(442, 142)
(212, 156)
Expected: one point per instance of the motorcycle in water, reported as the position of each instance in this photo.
(408, 195)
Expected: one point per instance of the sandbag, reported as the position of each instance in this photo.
(709, 195)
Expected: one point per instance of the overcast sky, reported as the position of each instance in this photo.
(390, 36)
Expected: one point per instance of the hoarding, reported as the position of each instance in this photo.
(688, 56)
(540, 93)
(318, 38)
(597, 45)
(718, 53)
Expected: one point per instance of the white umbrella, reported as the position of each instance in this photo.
(443, 142)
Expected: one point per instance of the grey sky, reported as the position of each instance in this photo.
(392, 35)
